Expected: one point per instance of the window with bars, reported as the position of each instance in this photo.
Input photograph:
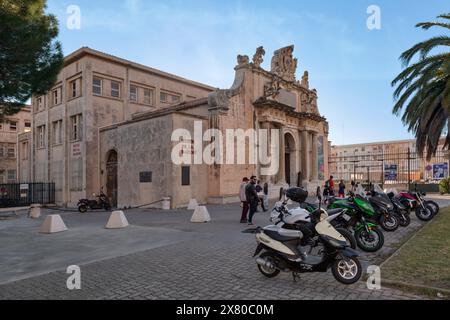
(76, 127)
(148, 96)
(57, 132)
(41, 136)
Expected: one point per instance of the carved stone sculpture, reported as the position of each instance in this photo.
(242, 60)
(305, 80)
(272, 89)
(284, 64)
(258, 58)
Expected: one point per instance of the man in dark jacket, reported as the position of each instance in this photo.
(252, 198)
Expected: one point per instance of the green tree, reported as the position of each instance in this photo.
(30, 57)
(423, 88)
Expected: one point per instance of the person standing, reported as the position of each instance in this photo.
(342, 189)
(244, 202)
(331, 184)
(252, 198)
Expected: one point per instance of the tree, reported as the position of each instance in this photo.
(423, 89)
(30, 58)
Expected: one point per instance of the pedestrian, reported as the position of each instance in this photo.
(252, 198)
(331, 184)
(244, 203)
(353, 186)
(260, 192)
(342, 189)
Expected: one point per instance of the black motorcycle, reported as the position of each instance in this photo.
(384, 209)
(402, 212)
(102, 202)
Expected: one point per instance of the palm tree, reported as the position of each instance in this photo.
(423, 89)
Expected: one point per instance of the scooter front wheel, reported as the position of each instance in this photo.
(82, 208)
(347, 271)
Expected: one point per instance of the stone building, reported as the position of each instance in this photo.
(127, 147)
(10, 128)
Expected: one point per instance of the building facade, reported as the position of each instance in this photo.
(109, 123)
(10, 128)
(390, 162)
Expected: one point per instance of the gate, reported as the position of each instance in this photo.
(25, 194)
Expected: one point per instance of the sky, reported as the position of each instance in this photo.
(350, 65)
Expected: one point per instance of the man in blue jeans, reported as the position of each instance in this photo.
(252, 198)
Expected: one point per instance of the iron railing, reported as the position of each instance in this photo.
(25, 194)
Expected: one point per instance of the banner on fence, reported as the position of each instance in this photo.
(440, 171)
(390, 172)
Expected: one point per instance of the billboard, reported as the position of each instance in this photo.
(390, 172)
(440, 171)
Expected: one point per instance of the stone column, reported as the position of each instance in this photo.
(267, 150)
(305, 156)
(282, 171)
(314, 158)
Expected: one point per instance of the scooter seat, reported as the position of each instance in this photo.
(287, 235)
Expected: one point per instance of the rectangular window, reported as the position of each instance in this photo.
(76, 131)
(41, 137)
(185, 176)
(73, 89)
(11, 151)
(145, 177)
(148, 96)
(2, 176)
(175, 99)
(97, 86)
(40, 103)
(133, 94)
(13, 125)
(2, 153)
(57, 132)
(115, 89)
(163, 97)
(11, 176)
(56, 99)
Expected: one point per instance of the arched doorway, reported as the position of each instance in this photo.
(290, 159)
(111, 177)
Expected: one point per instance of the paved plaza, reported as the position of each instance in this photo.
(162, 256)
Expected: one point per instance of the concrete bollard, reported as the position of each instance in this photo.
(201, 215)
(53, 224)
(117, 220)
(35, 211)
(192, 204)
(165, 203)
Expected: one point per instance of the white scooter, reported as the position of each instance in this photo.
(280, 250)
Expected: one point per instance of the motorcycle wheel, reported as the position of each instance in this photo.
(266, 271)
(425, 214)
(390, 224)
(347, 271)
(404, 219)
(351, 241)
(82, 208)
(107, 208)
(365, 243)
(433, 205)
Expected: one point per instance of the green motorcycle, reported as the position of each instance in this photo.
(359, 211)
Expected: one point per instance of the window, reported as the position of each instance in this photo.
(11, 151)
(133, 94)
(115, 89)
(40, 103)
(163, 97)
(148, 96)
(11, 175)
(25, 150)
(27, 126)
(175, 99)
(56, 98)
(2, 176)
(76, 132)
(2, 153)
(97, 86)
(57, 132)
(13, 125)
(74, 88)
(41, 137)
(185, 176)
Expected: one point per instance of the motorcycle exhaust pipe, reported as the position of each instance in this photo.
(265, 263)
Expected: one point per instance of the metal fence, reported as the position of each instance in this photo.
(25, 194)
(396, 167)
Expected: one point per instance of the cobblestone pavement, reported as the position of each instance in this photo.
(214, 262)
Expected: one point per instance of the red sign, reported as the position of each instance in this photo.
(76, 150)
